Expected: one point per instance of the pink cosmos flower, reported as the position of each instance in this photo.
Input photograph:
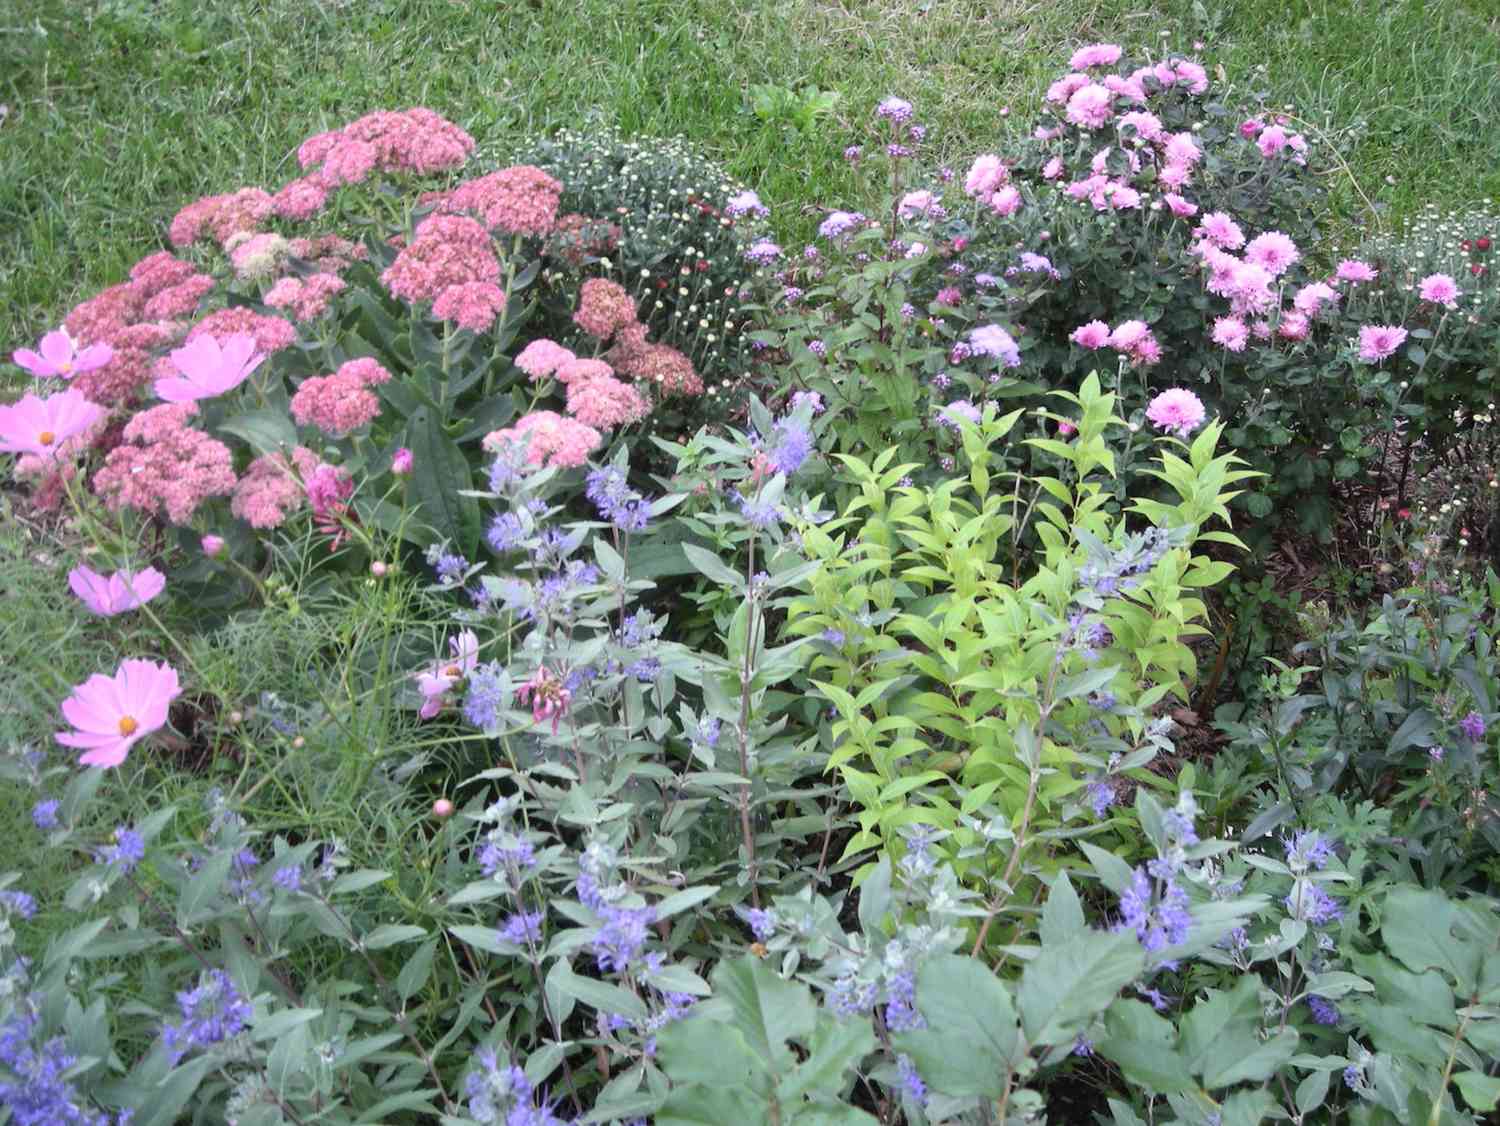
(209, 368)
(1378, 342)
(439, 678)
(1353, 270)
(1095, 54)
(1092, 336)
(39, 426)
(1230, 333)
(111, 714)
(1219, 229)
(1007, 201)
(1273, 251)
(1440, 289)
(1177, 411)
(1090, 106)
(59, 356)
(986, 174)
(122, 591)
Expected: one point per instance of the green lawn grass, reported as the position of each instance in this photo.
(120, 111)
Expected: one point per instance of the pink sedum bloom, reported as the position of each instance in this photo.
(58, 355)
(1379, 342)
(110, 714)
(209, 368)
(439, 679)
(605, 403)
(120, 592)
(1177, 411)
(1440, 289)
(550, 439)
(39, 426)
(541, 358)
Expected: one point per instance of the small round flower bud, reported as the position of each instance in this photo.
(236, 717)
(298, 743)
(378, 569)
(442, 809)
(213, 546)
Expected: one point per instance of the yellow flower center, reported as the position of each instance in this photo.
(452, 670)
(128, 725)
(45, 437)
(65, 367)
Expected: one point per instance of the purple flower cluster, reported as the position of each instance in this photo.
(1472, 725)
(523, 928)
(789, 446)
(1310, 903)
(499, 1094)
(1156, 910)
(911, 1082)
(622, 938)
(36, 1091)
(1114, 572)
(1323, 1011)
(616, 501)
(1309, 850)
(762, 922)
(128, 850)
(509, 851)
(211, 1013)
(505, 533)
(488, 694)
(44, 814)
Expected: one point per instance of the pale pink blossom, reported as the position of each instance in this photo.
(401, 462)
(1379, 342)
(1183, 150)
(1007, 201)
(986, 174)
(1311, 298)
(59, 356)
(336, 404)
(110, 714)
(995, 342)
(519, 200)
(307, 298)
(1230, 333)
(1063, 89)
(1219, 229)
(1092, 336)
(1440, 289)
(368, 370)
(582, 370)
(1134, 340)
(256, 256)
(1052, 169)
(1147, 126)
(37, 426)
(1095, 54)
(471, 305)
(438, 679)
(1293, 326)
(446, 250)
(1124, 198)
(1090, 106)
(212, 545)
(272, 334)
(300, 200)
(1177, 411)
(605, 403)
(549, 439)
(604, 307)
(180, 300)
(164, 465)
(122, 591)
(1179, 206)
(1175, 176)
(208, 367)
(1250, 288)
(548, 696)
(1272, 141)
(220, 216)
(541, 358)
(1191, 75)
(270, 490)
(1353, 270)
(1273, 251)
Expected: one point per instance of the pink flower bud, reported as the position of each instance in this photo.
(401, 462)
(442, 808)
(378, 569)
(213, 546)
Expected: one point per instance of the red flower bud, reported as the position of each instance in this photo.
(1482, 242)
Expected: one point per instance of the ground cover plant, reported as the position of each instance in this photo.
(537, 629)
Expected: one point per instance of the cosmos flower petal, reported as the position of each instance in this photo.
(57, 348)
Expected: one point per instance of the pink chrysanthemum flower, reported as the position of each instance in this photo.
(1219, 229)
(1147, 126)
(1273, 251)
(1311, 298)
(300, 200)
(1127, 88)
(1231, 333)
(307, 298)
(447, 250)
(1440, 289)
(336, 404)
(270, 490)
(1353, 270)
(472, 305)
(1090, 106)
(916, 203)
(1092, 336)
(605, 403)
(220, 216)
(986, 174)
(550, 439)
(122, 591)
(1183, 150)
(604, 307)
(1177, 411)
(272, 334)
(541, 358)
(1095, 54)
(1053, 169)
(520, 200)
(40, 426)
(1250, 288)
(1379, 342)
(1191, 75)
(438, 679)
(1293, 326)
(61, 358)
(1064, 88)
(1007, 201)
(1124, 198)
(110, 714)
(207, 367)
(1182, 208)
(1134, 340)
(1175, 176)
(1272, 141)
(165, 466)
